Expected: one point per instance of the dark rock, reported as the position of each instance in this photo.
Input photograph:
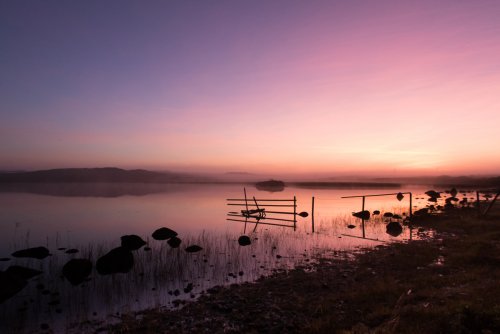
(163, 233)
(77, 270)
(174, 242)
(132, 242)
(394, 229)
(244, 240)
(23, 273)
(433, 194)
(118, 260)
(193, 249)
(72, 251)
(35, 252)
(365, 215)
(188, 288)
(10, 285)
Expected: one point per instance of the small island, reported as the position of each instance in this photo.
(271, 185)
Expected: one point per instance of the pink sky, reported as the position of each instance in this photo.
(389, 87)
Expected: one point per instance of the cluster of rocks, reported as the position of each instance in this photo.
(77, 270)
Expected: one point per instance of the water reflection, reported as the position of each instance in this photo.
(154, 273)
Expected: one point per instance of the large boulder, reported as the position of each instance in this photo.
(132, 242)
(77, 270)
(365, 215)
(244, 240)
(117, 260)
(10, 285)
(22, 272)
(174, 242)
(35, 253)
(394, 229)
(164, 233)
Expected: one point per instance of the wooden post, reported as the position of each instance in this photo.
(294, 213)
(362, 220)
(477, 203)
(312, 214)
(411, 205)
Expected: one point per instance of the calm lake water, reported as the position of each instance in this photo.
(91, 218)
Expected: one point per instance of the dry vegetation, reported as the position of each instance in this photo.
(446, 284)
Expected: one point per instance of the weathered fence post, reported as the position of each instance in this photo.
(363, 220)
(312, 214)
(294, 213)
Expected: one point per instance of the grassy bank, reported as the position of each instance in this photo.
(447, 284)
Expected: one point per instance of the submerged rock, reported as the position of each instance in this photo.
(10, 285)
(244, 240)
(164, 233)
(132, 242)
(22, 272)
(365, 215)
(394, 229)
(174, 242)
(77, 270)
(118, 260)
(35, 253)
(193, 249)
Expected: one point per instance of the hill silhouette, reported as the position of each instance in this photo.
(98, 175)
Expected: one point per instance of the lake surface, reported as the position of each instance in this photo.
(92, 218)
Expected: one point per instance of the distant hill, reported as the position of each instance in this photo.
(98, 175)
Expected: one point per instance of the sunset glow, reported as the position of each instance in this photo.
(406, 87)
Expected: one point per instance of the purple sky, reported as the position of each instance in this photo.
(405, 87)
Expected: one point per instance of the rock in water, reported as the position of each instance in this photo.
(23, 273)
(174, 242)
(163, 233)
(118, 260)
(244, 240)
(77, 270)
(35, 252)
(10, 285)
(365, 215)
(394, 229)
(193, 249)
(132, 242)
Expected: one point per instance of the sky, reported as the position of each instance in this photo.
(334, 87)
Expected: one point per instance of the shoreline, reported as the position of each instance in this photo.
(442, 284)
